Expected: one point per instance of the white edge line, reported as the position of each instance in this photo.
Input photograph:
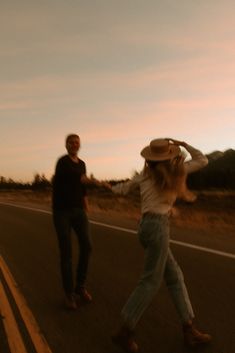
(202, 248)
(25, 207)
(126, 230)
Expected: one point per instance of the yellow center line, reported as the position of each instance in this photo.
(12, 330)
(37, 337)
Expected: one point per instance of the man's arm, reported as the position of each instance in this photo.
(86, 204)
(92, 181)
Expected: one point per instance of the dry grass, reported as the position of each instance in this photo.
(212, 210)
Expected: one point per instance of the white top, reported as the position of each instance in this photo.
(152, 199)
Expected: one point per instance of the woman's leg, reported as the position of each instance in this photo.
(153, 234)
(175, 282)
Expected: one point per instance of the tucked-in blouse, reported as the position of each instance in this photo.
(154, 199)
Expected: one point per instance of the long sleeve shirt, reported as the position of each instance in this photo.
(68, 190)
(155, 200)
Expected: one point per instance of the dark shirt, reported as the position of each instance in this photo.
(68, 191)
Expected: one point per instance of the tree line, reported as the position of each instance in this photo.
(218, 174)
(40, 182)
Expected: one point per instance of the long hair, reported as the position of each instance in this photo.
(170, 176)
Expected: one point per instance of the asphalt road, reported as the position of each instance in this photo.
(28, 246)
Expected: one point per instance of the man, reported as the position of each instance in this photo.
(69, 202)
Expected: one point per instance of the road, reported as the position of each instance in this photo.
(29, 248)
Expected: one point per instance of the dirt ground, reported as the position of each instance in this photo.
(211, 210)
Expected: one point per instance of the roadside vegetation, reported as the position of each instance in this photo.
(214, 187)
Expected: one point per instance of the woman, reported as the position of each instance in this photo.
(161, 182)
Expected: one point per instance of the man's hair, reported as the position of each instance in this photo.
(71, 136)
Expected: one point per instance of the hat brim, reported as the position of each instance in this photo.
(173, 151)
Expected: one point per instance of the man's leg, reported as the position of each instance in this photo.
(63, 230)
(81, 227)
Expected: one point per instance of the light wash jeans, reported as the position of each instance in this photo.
(159, 263)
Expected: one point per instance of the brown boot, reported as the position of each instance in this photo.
(70, 302)
(82, 295)
(124, 339)
(193, 337)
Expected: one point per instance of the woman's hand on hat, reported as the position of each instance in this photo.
(176, 142)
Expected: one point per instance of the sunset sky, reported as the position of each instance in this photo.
(118, 73)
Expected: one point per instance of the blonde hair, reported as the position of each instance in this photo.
(170, 176)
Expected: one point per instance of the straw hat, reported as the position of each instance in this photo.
(160, 150)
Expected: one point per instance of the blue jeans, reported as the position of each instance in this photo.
(159, 263)
(65, 221)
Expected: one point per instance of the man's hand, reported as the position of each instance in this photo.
(86, 180)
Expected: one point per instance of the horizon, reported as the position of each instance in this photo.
(48, 178)
(118, 74)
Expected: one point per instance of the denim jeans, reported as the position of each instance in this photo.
(65, 221)
(159, 263)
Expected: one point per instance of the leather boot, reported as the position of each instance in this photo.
(124, 339)
(193, 337)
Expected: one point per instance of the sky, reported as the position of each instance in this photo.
(119, 74)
